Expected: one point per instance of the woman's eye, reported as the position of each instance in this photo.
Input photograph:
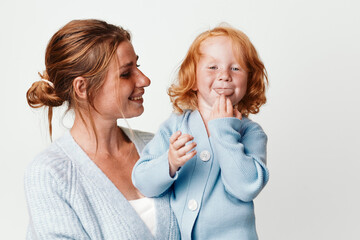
(137, 65)
(125, 75)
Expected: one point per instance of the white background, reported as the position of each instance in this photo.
(312, 53)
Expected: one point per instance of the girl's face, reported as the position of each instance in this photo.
(121, 94)
(218, 72)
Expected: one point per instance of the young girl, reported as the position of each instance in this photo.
(211, 156)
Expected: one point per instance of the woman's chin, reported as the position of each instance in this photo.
(135, 113)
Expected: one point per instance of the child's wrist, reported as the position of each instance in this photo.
(172, 169)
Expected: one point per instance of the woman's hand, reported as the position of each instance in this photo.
(223, 108)
(179, 151)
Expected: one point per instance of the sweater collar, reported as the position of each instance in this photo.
(100, 181)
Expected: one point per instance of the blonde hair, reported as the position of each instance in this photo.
(81, 48)
(181, 92)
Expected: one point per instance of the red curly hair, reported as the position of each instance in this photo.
(181, 91)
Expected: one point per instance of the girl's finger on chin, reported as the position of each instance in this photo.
(216, 103)
(222, 103)
(229, 107)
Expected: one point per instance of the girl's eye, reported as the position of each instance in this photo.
(137, 65)
(213, 67)
(235, 69)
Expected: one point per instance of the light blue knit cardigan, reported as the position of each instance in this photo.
(69, 197)
(213, 192)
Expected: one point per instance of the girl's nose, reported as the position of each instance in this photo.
(224, 75)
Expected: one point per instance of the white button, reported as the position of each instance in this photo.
(205, 155)
(192, 205)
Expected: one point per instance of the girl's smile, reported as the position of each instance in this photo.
(224, 91)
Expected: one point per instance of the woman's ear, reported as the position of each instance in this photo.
(79, 85)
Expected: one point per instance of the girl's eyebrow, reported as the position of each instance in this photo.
(129, 63)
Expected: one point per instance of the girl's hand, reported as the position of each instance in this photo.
(179, 151)
(223, 108)
(237, 114)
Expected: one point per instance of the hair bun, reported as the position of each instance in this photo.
(41, 93)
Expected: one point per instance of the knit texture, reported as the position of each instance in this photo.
(212, 194)
(69, 197)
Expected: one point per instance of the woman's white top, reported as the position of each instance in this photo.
(145, 207)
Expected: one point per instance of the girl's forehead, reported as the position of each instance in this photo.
(215, 41)
(219, 45)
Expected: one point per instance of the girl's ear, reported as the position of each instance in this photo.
(79, 85)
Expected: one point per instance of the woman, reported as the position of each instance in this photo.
(80, 186)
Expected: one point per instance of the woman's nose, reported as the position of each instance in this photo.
(142, 80)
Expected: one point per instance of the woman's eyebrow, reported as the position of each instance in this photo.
(129, 63)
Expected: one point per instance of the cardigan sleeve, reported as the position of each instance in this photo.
(49, 204)
(240, 148)
(151, 173)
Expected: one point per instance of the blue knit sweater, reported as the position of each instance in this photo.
(69, 197)
(212, 194)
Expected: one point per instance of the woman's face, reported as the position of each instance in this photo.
(121, 94)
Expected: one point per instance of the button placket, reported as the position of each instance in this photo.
(192, 205)
(205, 155)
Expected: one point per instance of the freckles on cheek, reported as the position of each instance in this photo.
(207, 77)
(211, 73)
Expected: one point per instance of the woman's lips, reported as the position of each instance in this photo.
(137, 98)
(224, 91)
